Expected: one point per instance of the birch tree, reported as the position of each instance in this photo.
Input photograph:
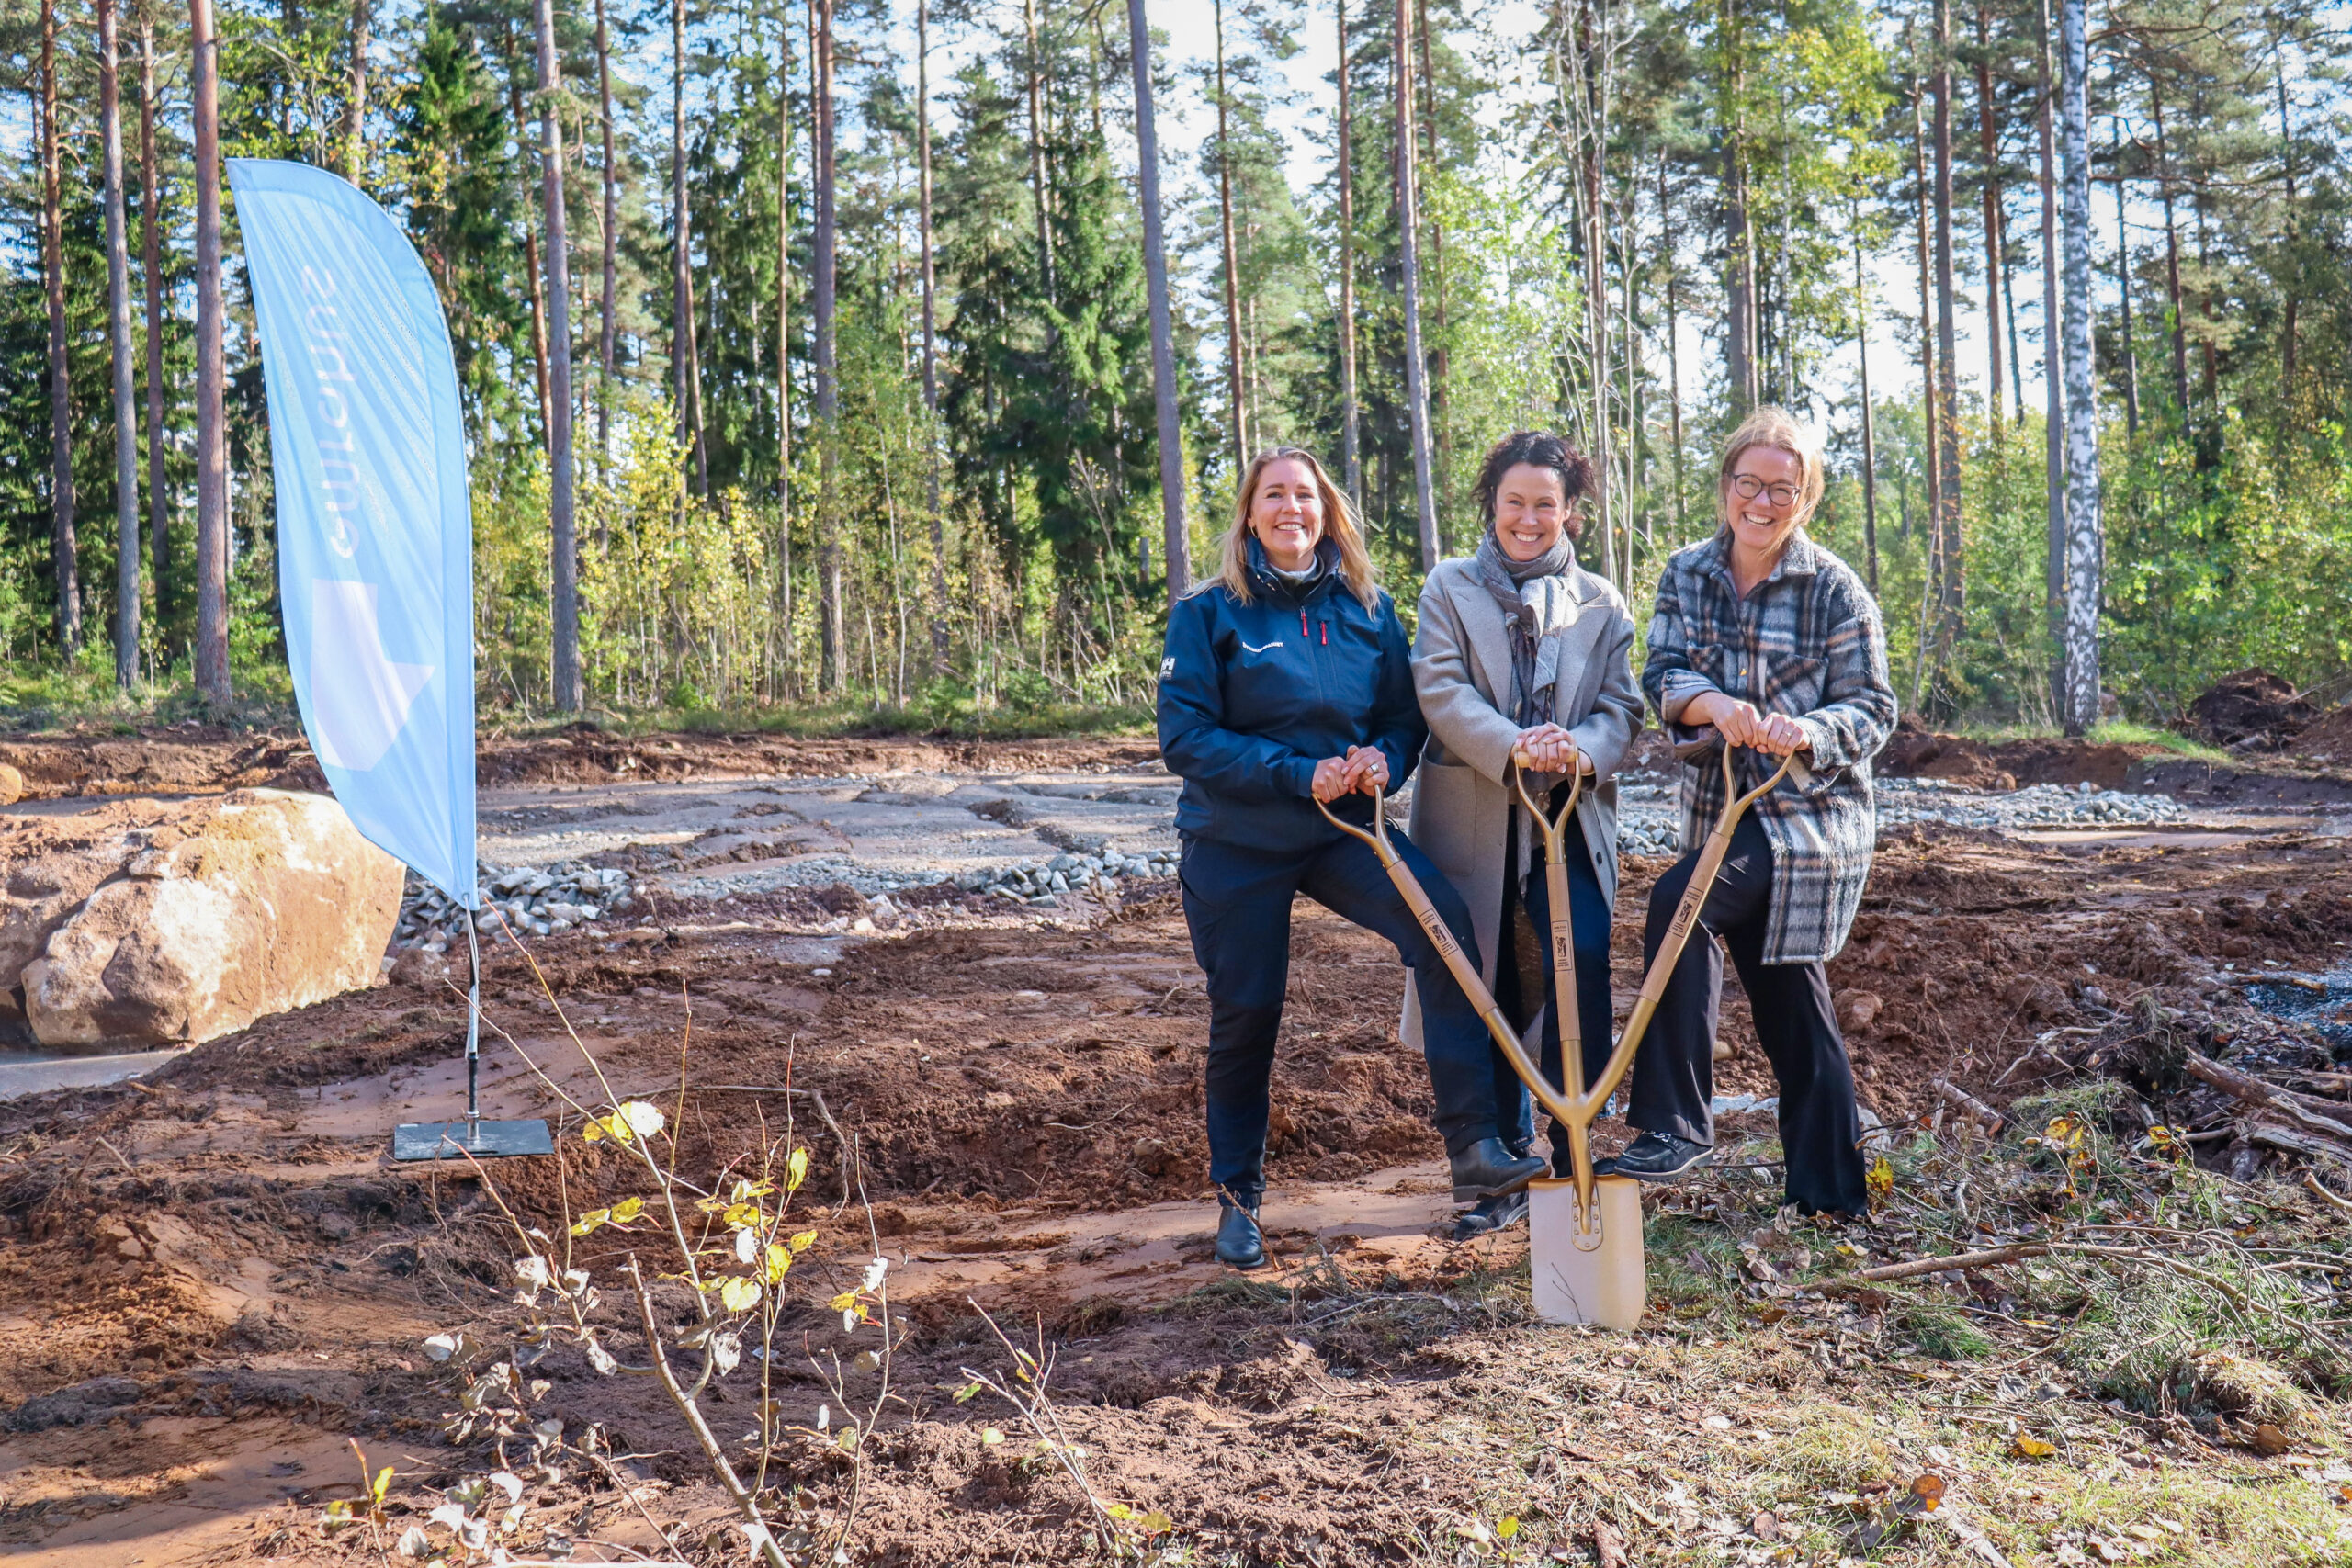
(1417, 393)
(2084, 540)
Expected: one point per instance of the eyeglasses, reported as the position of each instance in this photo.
(1749, 488)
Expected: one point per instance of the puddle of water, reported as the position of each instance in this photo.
(2323, 1010)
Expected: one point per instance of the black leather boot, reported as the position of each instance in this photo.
(1240, 1242)
(1488, 1169)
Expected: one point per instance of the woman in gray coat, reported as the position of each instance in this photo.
(1522, 652)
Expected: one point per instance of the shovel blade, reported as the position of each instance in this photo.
(1609, 1285)
(482, 1140)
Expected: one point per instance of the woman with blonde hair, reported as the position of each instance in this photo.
(1762, 639)
(1286, 682)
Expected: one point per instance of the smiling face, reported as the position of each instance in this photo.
(1286, 514)
(1762, 520)
(1531, 509)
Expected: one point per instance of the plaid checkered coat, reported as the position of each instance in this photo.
(1808, 643)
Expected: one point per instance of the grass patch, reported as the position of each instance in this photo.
(2124, 732)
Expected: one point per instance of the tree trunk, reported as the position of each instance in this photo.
(1351, 432)
(1988, 143)
(1417, 399)
(610, 246)
(537, 278)
(2130, 341)
(355, 106)
(2172, 259)
(834, 634)
(1931, 425)
(1174, 545)
(2287, 168)
(64, 551)
(212, 376)
(1954, 597)
(151, 202)
(1235, 382)
(126, 418)
(570, 694)
(1439, 439)
(789, 673)
(2053, 374)
(1673, 345)
(2084, 541)
(685, 369)
(1037, 147)
(930, 339)
(1870, 427)
(1596, 292)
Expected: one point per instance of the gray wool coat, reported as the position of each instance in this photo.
(1463, 798)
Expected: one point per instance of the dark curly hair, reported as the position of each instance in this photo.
(1540, 449)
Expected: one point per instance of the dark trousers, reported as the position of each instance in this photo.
(1516, 987)
(1236, 902)
(1673, 1076)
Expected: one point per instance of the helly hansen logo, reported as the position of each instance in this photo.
(1168, 667)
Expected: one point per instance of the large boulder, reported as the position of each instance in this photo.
(145, 922)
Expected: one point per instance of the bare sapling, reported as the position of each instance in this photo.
(698, 1285)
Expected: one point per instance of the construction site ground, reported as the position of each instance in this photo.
(213, 1280)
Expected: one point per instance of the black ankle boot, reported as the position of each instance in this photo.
(1240, 1242)
(1488, 1169)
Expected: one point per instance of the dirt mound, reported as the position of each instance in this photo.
(195, 759)
(1915, 752)
(2326, 741)
(2250, 710)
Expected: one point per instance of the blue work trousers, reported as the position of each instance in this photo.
(1236, 902)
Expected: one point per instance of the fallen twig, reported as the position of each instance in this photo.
(824, 1114)
(2312, 1183)
(2293, 1142)
(1983, 1115)
(1988, 1258)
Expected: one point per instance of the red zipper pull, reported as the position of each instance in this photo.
(1326, 632)
(1302, 620)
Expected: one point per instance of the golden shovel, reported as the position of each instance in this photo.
(1600, 1277)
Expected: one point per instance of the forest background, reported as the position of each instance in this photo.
(862, 397)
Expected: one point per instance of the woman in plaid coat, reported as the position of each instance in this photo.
(1763, 640)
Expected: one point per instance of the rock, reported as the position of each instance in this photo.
(12, 786)
(1859, 1010)
(421, 966)
(153, 923)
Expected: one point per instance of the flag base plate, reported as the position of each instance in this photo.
(481, 1140)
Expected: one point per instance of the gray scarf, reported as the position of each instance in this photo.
(1529, 593)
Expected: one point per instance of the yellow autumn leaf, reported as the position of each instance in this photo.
(845, 1301)
(2024, 1447)
(1881, 1178)
(743, 1217)
(800, 1241)
(590, 1220)
(640, 1118)
(796, 1169)
(627, 1209)
(737, 1294)
(779, 1260)
(1508, 1526)
(990, 1436)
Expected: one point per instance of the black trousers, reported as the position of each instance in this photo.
(1237, 902)
(1519, 986)
(1673, 1077)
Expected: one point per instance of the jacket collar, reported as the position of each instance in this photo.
(1273, 585)
(1799, 557)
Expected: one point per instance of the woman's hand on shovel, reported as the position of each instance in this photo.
(1364, 768)
(1548, 749)
(1743, 724)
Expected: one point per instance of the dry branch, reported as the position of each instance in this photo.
(2270, 1097)
(1987, 1259)
(1976, 1110)
(2313, 1182)
(2273, 1135)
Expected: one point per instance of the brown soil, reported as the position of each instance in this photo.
(191, 758)
(209, 1279)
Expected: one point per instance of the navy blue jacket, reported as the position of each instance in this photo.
(1251, 696)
